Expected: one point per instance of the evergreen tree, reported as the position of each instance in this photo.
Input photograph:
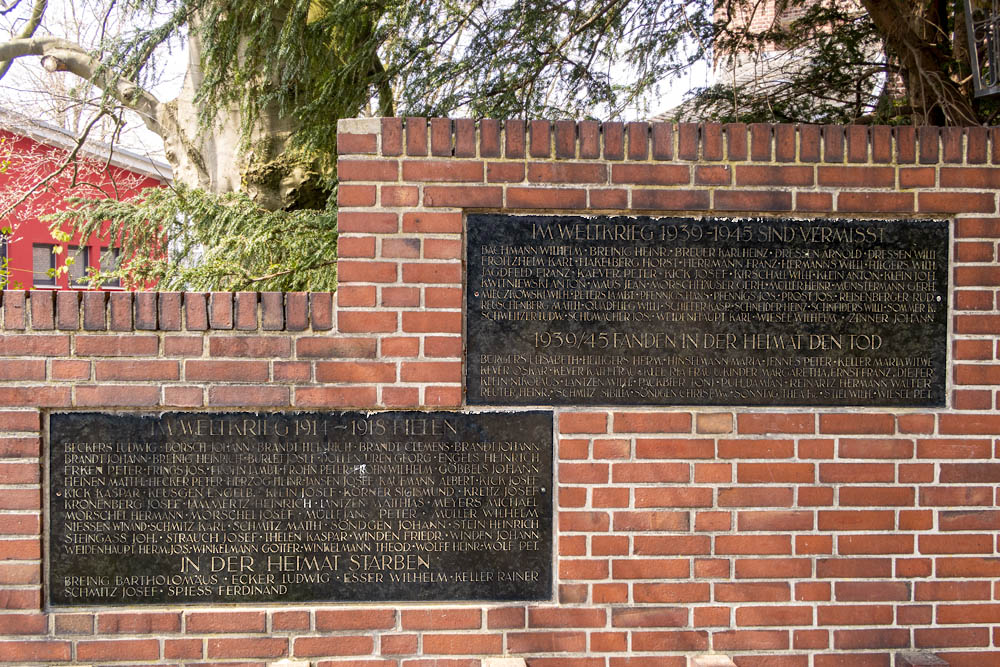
(252, 135)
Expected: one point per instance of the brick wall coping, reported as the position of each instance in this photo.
(644, 141)
(65, 310)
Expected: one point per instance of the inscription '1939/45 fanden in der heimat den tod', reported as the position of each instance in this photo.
(246, 507)
(669, 311)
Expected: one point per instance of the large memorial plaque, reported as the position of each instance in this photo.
(675, 311)
(248, 507)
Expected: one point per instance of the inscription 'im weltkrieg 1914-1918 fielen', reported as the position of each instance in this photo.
(674, 311)
(247, 507)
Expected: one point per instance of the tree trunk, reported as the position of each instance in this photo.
(216, 159)
(934, 96)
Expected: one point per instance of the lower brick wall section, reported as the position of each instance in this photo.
(776, 538)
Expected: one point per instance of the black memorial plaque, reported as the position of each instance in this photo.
(291, 507)
(673, 311)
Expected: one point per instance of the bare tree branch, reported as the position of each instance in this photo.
(37, 11)
(62, 55)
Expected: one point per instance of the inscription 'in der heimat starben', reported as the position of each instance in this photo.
(237, 507)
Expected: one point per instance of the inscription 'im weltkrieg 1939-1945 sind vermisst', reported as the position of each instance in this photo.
(675, 311)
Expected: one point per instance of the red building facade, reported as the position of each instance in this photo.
(32, 152)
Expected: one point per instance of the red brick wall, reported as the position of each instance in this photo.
(780, 537)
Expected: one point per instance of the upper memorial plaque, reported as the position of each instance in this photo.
(676, 311)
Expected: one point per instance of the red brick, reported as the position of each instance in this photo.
(366, 322)
(651, 568)
(34, 651)
(521, 197)
(19, 524)
(875, 544)
(757, 449)
(138, 370)
(713, 175)
(339, 646)
(872, 591)
(652, 422)
(367, 170)
(775, 423)
(614, 140)
(814, 201)
(441, 171)
(671, 545)
(772, 175)
(670, 200)
(139, 623)
(247, 647)
(772, 568)
(677, 448)
(651, 174)
(21, 574)
(583, 422)
(355, 619)
(546, 642)
(916, 177)
(877, 638)
(117, 395)
(638, 140)
(116, 346)
(19, 420)
(22, 369)
(672, 593)
(851, 614)
(857, 177)
(856, 423)
(19, 549)
(41, 345)
(182, 649)
(956, 202)
(321, 397)
(761, 135)
(367, 222)
(558, 617)
(21, 499)
(118, 649)
(875, 202)
(872, 448)
(356, 143)
(782, 521)
(504, 172)
(747, 200)
(225, 371)
(238, 395)
(775, 545)
(673, 497)
(356, 195)
(750, 640)
(67, 369)
(680, 640)
(662, 138)
(24, 624)
(775, 473)
(854, 473)
(562, 172)
(755, 497)
(441, 619)
(464, 196)
(441, 136)
(584, 521)
(353, 246)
